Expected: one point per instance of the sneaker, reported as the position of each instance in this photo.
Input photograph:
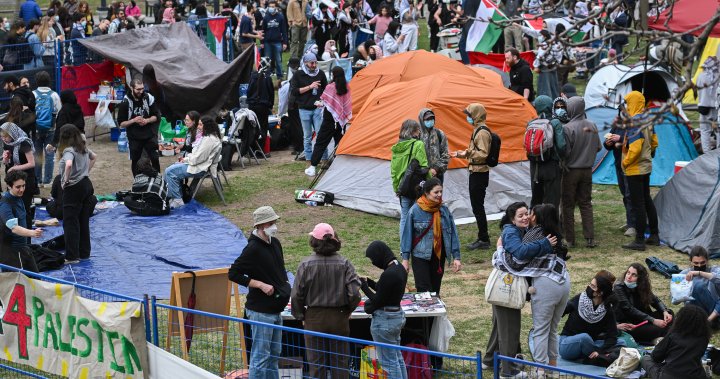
(176, 203)
(654, 240)
(589, 242)
(630, 232)
(635, 245)
(71, 261)
(485, 367)
(478, 245)
(516, 374)
(310, 171)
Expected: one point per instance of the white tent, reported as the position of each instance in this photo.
(609, 85)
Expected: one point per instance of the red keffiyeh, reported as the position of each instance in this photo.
(340, 107)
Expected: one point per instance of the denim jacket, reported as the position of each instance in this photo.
(512, 243)
(417, 221)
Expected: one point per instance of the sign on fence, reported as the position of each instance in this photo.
(50, 327)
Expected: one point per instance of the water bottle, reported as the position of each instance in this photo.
(123, 142)
(314, 91)
(178, 129)
(311, 203)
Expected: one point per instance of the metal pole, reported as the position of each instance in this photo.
(153, 305)
(103, 7)
(148, 324)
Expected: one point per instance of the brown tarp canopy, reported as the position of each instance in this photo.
(191, 76)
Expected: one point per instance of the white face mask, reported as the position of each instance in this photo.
(271, 230)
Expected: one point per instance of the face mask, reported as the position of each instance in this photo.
(7, 24)
(630, 285)
(700, 268)
(470, 120)
(372, 56)
(83, 23)
(429, 123)
(589, 292)
(560, 112)
(272, 10)
(271, 230)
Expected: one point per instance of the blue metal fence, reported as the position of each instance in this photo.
(536, 370)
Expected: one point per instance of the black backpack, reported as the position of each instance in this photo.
(493, 157)
(46, 259)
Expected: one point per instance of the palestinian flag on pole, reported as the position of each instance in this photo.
(482, 34)
(214, 39)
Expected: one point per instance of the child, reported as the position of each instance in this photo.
(409, 29)
(679, 354)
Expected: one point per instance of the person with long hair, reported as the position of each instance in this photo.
(18, 155)
(134, 13)
(16, 116)
(69, 113)
(391, 43)
(336, 115)
(84, 9)
(76, 161)
(196, 163)
(324, 295)
(680, 353)
(430, 237)
(635, 300)
(46, 34)
(514, 253)
(590, 331)
(408, 147)
(194, 135)
(381, 20)
(15, 36)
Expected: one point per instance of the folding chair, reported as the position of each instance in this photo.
(243, 146)
(211, 173)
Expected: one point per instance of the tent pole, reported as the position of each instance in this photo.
(647, 55)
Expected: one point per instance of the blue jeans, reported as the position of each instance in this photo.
(311, 120)
(386, 328)
(703, 298)
(273, 50)
(405, 204)
(42, 139)
(580, 346)
(174, 176)
(266, 345)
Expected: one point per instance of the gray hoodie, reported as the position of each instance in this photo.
(583, 142)
(436, 144)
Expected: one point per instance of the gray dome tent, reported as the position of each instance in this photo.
(689, 206)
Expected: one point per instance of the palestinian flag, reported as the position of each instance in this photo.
(214, 39)
(482, 34)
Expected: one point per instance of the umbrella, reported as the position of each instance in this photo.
(189, 317)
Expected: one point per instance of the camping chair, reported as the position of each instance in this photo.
(241, 137)
(212, 173)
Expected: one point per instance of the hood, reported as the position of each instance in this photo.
(564, 119)
(68, 97)
(635, 103)
(24, 92)
(422, 114)
(543, 105)
(402, 146)
(576, 108)
(380, 254)
(477, 112)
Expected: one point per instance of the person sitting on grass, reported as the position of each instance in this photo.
(148, 196)
(679, 354)
(706, 284)
(195, 164)
(15, 234)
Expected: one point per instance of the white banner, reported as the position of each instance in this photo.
(50, 327)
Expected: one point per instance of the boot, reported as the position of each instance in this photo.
(479, 244)
(590, 242)
(654, 240)
(635, 245)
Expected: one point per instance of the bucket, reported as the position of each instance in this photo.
(679, 165)
(114, 134)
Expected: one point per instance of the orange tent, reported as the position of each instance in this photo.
(377, 126)
(409, 66)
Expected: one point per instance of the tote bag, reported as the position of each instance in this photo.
(505, 289)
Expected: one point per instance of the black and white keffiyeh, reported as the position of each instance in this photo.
(550, 265)
(587, 310)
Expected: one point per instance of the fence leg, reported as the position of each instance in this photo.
(478, 364)
(496, 366)
(146, 312)
(154, 321)
(58, 66)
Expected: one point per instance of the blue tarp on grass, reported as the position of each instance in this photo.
(134, 255)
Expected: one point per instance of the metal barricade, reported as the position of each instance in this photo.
(537, 370)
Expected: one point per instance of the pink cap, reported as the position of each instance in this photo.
(321, 230)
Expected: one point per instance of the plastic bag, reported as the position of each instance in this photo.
(370, 364)
(625, 364)
(442, 331)
(103, 116)
(680, 289)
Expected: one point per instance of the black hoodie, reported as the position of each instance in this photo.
(70, 113)
(521, 77)
(390, 288)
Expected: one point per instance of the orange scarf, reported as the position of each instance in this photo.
(433, 207)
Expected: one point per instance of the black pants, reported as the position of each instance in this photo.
(545, 183)
(428, 273)
(149, 146)
(642, 205)
(328, 130)
(645, 334)
(434, 39)
(622, 185)
(478, 188)
(262, 115)
(294, 130)
(77, 209)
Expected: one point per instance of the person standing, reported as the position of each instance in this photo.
(383, 304)
(246, 29)
(138, 115)
(476, 154)
(545, 174)
(298, 26)
(637, 155)
(513, 32)
(582, 144)
(47, 105)
(325, 292)
(408, 147)
(707, 85)
(75, 165)
(261, 268)
(261, 97)
(306, 87)
(614, 141)
(30, 10)
(36, 45)
(436, 144)
(521, 77)
(275, 36)
(79, 52)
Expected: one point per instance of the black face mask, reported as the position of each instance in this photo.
(701, 268)
(372, 56)
(589, 292)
